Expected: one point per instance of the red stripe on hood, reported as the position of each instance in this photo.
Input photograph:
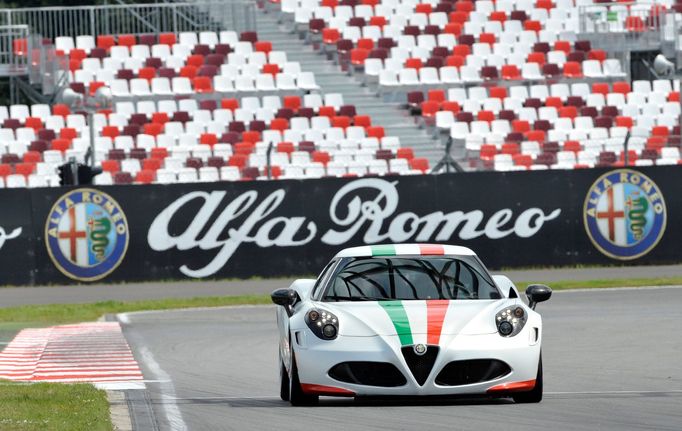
(435, 316)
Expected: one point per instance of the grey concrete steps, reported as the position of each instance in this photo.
(332, 79)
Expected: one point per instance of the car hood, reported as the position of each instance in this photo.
(412, 320)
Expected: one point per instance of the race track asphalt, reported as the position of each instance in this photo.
(15, 296)
(612, 361)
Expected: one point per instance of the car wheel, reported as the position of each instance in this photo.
(535, 395)
(296, 395)
(283, 382)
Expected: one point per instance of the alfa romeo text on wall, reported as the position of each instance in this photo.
(280, 228)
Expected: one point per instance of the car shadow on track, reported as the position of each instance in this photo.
(341, 402)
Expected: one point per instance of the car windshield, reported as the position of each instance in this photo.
(408, 277)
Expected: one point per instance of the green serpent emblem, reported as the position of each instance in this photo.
(99, 237)
(637, 216)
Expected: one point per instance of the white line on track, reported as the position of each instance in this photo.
(673, 391)
(170, 409)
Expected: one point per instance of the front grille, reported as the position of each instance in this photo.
(420, 366)
(458, 373)
(368, 373)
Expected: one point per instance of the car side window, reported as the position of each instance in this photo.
(322, 279)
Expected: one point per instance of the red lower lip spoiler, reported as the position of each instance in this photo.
(524, 386)
(326, 390)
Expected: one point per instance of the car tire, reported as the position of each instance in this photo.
(534, 395)
(296, 395)
(283, 382)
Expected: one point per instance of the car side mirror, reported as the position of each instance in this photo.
(286, 298)
(537, 293)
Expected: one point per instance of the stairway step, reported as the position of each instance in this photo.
(332, 79)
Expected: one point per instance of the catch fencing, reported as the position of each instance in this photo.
(152, 18)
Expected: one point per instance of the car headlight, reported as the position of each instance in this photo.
(323, 324)
(510, 321)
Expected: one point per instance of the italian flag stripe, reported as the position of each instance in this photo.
(435, 316)
(426, 249)
(396, 312)
(383, 250)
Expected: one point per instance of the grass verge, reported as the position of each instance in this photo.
(13, 319)
(53, 406)
(597, 284)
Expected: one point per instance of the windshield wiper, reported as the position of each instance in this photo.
(354, 298)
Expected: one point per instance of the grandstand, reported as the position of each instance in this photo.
(326, 88)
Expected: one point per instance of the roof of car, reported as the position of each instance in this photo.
(405, 250)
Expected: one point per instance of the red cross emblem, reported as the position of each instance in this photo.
(611, 215)
(72, 234)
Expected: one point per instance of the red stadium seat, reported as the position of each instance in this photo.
(68, 133)
(573, 69)
(510, 72)
(105, 41)
(111, 166)
(320, 157)
(291, 102)
(413, 63)
(272, 69)
(263, 46)
(167, 39)
(127, 40)
(420, 164)
(60, 144)
(404, 153)
(330, 35)
(202, 84)
(621, 87)
(5, 169)
(340, 121)
(500, 16)
(151, 164)
(145, 176)
(159, 153)
(231, 104)
(358, 56)
(362, 121)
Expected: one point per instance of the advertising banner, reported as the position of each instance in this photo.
(293, 227)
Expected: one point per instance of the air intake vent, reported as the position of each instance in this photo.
(467, 372)
(420, 365)
(380, 374)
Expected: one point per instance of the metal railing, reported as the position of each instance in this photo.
(52, 22)
(623, 27)
(15, 49)
(619, 17)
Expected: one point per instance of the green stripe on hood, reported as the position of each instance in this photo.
(396, 312)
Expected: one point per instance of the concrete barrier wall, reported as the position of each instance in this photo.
(283, 228)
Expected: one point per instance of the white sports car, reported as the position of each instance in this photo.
(408, 320)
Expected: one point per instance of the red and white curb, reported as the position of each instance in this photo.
(94, 352)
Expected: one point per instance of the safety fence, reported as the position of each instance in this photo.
(293, 227)
(618, 27)
(14, 45)
(73, 21)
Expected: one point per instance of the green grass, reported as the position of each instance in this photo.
(594, 284)
(13, 319)
(69, 313)
(53, 407)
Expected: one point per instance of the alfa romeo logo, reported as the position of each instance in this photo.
(625, 214)
(419, 349)
(86, 234)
